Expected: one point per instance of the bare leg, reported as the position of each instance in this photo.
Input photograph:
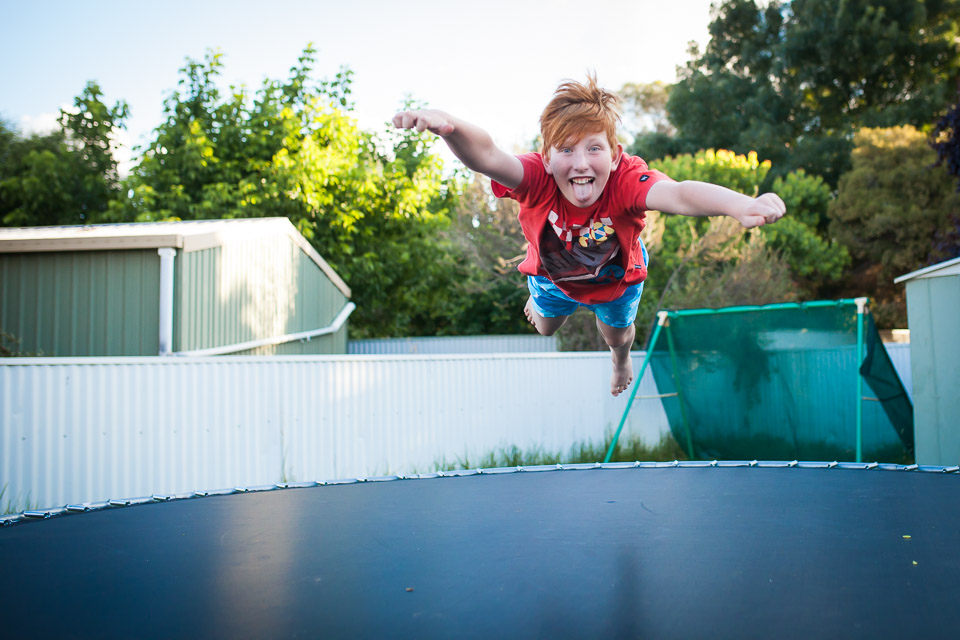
(619, 341)
(545, 326)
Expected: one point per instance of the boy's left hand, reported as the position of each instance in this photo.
(763, 210)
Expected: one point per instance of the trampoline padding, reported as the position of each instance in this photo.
(657, 553)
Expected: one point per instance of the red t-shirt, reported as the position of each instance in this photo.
(591, 254)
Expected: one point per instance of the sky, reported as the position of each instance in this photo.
(494, 63)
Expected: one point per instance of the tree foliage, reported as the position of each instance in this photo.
(945, 140)
(488, 242)
(794, 80)
(375, 207)
(68, 176)
(892, 211)
(645, 107)
(798, 237)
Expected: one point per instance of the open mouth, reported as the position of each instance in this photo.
(582, 187)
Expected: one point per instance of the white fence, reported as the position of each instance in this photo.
(454, 344)
(77, 430)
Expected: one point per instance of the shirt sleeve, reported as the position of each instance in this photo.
(636, 180)
(534, 176)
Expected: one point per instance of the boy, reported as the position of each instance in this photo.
(582, 207)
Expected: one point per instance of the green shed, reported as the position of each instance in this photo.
(933, 312)
(208, 287)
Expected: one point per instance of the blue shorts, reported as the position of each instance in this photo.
(549, 301)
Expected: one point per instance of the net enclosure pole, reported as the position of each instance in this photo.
(861, 304)
(661, 320)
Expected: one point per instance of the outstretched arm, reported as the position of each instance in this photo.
(692, 198)
(471, 144)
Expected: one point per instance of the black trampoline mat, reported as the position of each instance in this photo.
(654, 553)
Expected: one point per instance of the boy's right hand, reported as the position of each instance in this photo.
(430, 120)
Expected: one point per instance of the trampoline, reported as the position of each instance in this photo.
(654, 550)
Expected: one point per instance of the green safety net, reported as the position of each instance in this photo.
(780, 382)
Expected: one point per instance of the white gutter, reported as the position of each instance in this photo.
(167, 256)
(290, 337)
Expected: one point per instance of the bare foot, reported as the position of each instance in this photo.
(528, 310)
(622, 375)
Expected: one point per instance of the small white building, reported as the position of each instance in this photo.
(933, 312)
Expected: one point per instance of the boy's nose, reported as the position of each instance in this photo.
(580, 160)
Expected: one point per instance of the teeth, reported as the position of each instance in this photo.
(582, 180)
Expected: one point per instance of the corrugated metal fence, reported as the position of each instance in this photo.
(76, 430)
(455, 344)
(86, 429)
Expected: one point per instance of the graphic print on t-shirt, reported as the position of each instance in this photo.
(580, 252)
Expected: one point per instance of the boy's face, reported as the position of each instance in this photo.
(582, 167)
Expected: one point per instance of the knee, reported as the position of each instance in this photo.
(546, 330)
(616, 338)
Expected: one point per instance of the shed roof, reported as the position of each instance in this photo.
(948, 268)
(187, 236)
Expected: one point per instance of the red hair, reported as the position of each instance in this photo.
(577, 110)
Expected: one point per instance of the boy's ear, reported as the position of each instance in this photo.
(546, 163)
(616, 160)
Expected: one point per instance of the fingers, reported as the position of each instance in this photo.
(773, 207)
(423, 121)
(763, 210)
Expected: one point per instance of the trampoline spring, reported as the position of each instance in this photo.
(36, 514)
(200, 494)
(119, 503)
(911, 467)
(872, 465)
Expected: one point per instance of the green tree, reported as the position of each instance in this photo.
(645, 107)
(890, 210)
(488, 242)
(800, 237)
(375, 207)
(65, 177)
(945, 140)
(794, 80)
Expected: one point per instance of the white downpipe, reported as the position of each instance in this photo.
(167, 256)
(290, 337)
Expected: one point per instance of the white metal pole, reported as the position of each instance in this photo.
(167, 256)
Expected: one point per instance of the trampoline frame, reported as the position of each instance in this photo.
(43, 514)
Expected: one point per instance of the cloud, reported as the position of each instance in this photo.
(40, 123)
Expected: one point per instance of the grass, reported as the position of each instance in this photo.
(11, 506)
(627, 450)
